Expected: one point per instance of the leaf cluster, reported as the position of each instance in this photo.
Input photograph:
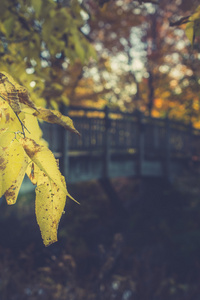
(23, 151)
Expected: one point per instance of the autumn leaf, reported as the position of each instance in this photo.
(193, 26)
(9, 93)
(49, 207)
(32, 125)
(14, 95)
(20, 154)
(55, 117)
(9, 124)
(44, 159)
(12, 160)
(33, 172)
(24, 97)
(21, 95)
(12, 193)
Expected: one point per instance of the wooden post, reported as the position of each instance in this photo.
(190, 144)
(106, 154)
(167, 160)
(155, 137)
(141, 128)
(64, 146)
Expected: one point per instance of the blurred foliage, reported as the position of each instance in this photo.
(35, 37)
(93, 52)
(143, 62)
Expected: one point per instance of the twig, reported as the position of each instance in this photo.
(181, 21)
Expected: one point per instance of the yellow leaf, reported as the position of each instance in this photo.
(3, 120)
(189, 31)
(22, 92)
(9, 124)
(64, 99)
(37, 4)
(55, 117)
(44, 159)
(12, 159)
(193, 26)
(24, 97)
(49, 207)
(12, 193)
(32, 125)
(9, 93)
(32, 172)
(196, 14)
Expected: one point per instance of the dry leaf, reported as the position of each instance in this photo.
(55, 117)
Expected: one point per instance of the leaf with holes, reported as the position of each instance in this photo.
(14, 93)
(49, 207)
(9, 93)
(24, 97)
(55, 117)
(44, 159)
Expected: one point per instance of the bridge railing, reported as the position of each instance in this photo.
(94, 125)
(108, 132)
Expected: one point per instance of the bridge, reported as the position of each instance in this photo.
(117, 144)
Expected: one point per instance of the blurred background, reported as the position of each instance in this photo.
(128, 76)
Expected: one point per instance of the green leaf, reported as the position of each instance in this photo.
(37, 5)
(9, 25)
(3, 7)
(48, 6)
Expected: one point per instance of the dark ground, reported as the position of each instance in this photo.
(146, 247)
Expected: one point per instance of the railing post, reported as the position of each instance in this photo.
(167, 160)
(107, 143)
(155, 138)
(190, 139)
(64, 146)
(140, 142)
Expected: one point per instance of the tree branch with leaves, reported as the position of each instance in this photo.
(23, 151)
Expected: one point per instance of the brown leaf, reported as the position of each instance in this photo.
(24, 97)
(14, 93)
(55, 117)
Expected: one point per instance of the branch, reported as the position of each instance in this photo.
(181, 21)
